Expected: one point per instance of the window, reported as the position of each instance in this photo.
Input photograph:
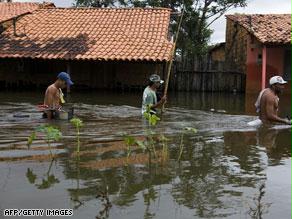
(287, 65)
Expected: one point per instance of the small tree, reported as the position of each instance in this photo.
(51, 134)
(77, 123)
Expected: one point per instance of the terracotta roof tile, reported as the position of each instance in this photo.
(268, 28)
(88, 33)
(15, 9)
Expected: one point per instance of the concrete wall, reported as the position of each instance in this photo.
(29, 73)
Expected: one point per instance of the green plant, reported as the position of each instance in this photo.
(51, 134)
(129, 141)
(77, 123)
(181, 145)
(151, 117)
(150, 142)
(30, 139)
(165, 150)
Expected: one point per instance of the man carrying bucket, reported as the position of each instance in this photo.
(150, 96)
(267, 103)
(54, 97)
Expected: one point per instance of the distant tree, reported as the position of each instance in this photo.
(95, 3)
(195, 30)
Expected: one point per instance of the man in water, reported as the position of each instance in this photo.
(149, 95)
(267, 103)
(54, 95)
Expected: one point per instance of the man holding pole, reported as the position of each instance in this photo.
(150, 96)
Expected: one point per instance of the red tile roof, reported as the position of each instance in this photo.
(15, 9)
(90, 34)
(267, 28)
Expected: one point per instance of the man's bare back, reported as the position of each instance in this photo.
(52, 97)
(268, 106)
(267, 103)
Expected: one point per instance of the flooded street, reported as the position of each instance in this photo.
(226, 170)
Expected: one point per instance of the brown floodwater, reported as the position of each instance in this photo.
(227, 169)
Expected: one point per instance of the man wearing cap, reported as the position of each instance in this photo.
(267, 103)
(54, 96)
(149, 94)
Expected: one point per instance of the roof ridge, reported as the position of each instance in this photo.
(239, 14)
(95, 8)
(24, 3)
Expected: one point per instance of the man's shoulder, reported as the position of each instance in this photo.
(267, 93)
(147, 90)
(269, 96)
(52, 88)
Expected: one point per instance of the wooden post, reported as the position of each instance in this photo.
(264, 67)
(68, 70)
(172, 55)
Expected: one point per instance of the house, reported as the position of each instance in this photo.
(216, 57)
(99, 47)
(259, 46)
(11, 11)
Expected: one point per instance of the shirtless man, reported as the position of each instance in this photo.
(268, 102)
(54, 96)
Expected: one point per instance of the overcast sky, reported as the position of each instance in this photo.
(253, 7)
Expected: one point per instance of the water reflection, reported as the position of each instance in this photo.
(46, 182)
(225, 171)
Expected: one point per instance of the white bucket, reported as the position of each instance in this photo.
(66, 113)
(63, 115)
(256, 122)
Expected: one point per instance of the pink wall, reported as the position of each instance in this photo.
(253, 69)
(275, 65)
(275, 62)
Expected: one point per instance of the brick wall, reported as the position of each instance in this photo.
(235, 47)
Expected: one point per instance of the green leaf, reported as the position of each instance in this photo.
(50, 132)
(129, 140)
(154, 119)
(30, 139)
(141, 145)
(190, 129)
(53, 133)
(41, 128)
(78, 123)
(163, 138)
(146, 115)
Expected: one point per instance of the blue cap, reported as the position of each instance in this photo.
(65, 77)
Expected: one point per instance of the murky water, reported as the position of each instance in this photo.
(227, 169)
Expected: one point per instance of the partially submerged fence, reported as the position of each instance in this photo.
(207, 81)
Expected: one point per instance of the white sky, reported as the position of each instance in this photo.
(253, 7)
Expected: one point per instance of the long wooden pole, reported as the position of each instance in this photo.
(172, 55)
(264, 67)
